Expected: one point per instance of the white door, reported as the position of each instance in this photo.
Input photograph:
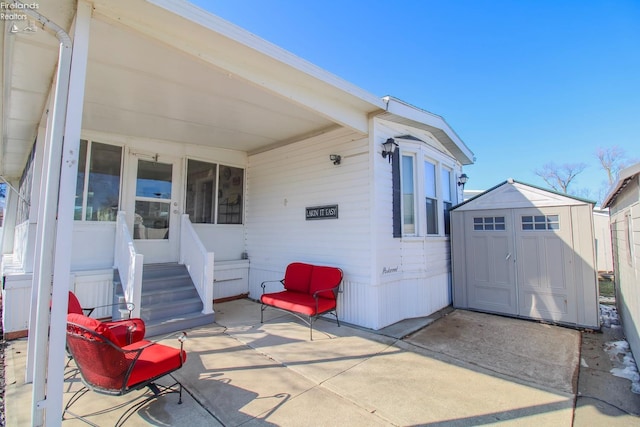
(490, 257)
(153, 209)
(546, 284)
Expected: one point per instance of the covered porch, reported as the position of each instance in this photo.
(127, 132)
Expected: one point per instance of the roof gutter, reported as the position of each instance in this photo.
(45, 235)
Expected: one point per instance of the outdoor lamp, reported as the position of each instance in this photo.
(335, 158)
(388, 147)
(462, 179)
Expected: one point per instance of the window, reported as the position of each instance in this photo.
(489, 223)
(230, 195)
(26, 182)
(153, 200)
(214, 192)
(446, 199)
(431, 200)
(408, 196)
(540, 222)
(98, 191)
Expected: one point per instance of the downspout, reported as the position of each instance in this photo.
(47, 222)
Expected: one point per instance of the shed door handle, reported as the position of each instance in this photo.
(508, 256)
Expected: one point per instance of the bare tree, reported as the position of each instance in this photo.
(560, 177)
(612, 159)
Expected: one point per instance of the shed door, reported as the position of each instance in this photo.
(546, 285)
(491, 272)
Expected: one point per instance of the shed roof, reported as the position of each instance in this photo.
(511, 194)
(625, 176)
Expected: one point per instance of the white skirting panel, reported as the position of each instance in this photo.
(358, 304)
(415, 297)
(16, 301)
(257, 275)
(230, 279)
(93, 289)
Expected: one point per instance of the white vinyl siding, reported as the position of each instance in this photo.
(282, 183)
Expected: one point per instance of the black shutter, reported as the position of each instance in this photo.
(397, 214)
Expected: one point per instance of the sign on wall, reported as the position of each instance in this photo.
(322, 212)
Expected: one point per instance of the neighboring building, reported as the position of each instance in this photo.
(602, 234)
(524, 251)
(469, 194)
(623, 202)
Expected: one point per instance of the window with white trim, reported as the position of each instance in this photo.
(215, 193)
(408, 195)
(98, 183)
(447, 199)
(431, 197)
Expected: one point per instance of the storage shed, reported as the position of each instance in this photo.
(524, 251)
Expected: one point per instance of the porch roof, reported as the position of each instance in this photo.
(167, 70)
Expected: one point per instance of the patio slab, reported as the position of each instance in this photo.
(241, 371)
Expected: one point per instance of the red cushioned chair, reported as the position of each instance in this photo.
(125, 332)
(107, 368)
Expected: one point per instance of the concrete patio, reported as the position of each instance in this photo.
(465, 369)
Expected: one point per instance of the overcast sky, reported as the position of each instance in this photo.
(523, 83)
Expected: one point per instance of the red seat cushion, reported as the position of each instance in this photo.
(298, 302)
(297, 277)
(325, 278)
(154, 361)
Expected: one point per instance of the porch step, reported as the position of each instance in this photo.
(174, 324)
(170, 301)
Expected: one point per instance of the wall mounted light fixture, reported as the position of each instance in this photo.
(462, 179)
(388, 147)
(335, 158)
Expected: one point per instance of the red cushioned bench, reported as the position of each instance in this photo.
(309, 290)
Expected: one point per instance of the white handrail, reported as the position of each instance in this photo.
(129, 264)
(199, 263)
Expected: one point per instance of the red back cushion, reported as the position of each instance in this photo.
(297, 277)
(92, 324)
(325, 278)
(74, 304)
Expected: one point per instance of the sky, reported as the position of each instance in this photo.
(522, 82)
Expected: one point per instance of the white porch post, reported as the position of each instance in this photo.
(63, 165)
(38, 330)
(66, 207)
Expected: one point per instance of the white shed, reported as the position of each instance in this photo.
(524, 251)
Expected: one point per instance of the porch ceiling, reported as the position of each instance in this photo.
(139, 87)
(174, 75)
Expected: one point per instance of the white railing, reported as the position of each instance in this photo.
(129, 264)
(198, 261)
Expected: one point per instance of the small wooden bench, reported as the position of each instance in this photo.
(309, 290)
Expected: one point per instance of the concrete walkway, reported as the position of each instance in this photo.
(464, 369)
